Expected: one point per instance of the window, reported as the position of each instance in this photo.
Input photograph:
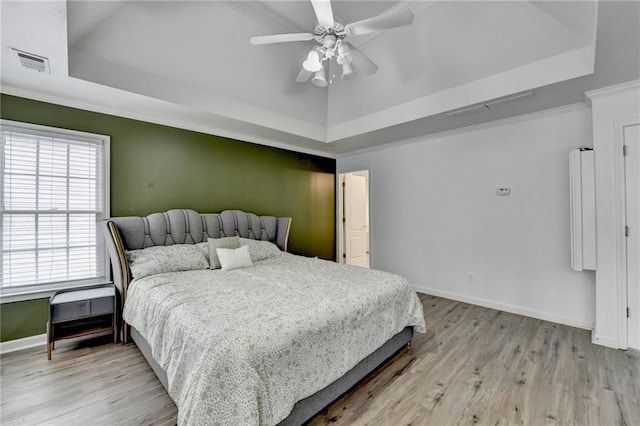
(54, 189)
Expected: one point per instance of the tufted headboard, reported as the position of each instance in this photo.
(182, 226)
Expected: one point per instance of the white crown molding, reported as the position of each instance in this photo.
(550, 70)
(612, 90)
(470, 129)
(24, 343)
(156, 119)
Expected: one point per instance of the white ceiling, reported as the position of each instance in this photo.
(189, 64)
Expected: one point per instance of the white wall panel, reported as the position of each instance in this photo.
(436, 219)
(583, 210)
(588, 196)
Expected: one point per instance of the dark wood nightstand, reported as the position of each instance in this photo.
(79, 312)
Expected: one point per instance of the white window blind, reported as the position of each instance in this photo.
(53, 192)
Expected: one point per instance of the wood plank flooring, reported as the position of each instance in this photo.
(474, 366)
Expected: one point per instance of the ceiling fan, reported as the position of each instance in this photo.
(332, 47)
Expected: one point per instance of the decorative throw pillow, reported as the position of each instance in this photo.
(215, 243)
(204, 249)
(160, 259)
(260, 250)
(234, 258)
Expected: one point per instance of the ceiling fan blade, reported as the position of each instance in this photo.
(380, 23)
(303, 76)
(281, 38)
(362, 61)
(323, 11)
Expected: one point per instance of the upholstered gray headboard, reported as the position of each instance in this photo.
(181, 226)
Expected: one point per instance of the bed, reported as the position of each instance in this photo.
(273, 343)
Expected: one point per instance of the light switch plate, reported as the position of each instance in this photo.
(504, 190)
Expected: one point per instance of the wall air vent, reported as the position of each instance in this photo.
(31, 61)
(508, 99)
(467, 110)
(487, 106)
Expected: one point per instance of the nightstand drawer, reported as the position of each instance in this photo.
(73, 310)
(82, 308)
(102, 306)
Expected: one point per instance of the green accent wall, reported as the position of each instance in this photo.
(156, 168)
(23, 319)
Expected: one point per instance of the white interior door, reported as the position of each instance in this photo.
(356, 220)
(632, 192)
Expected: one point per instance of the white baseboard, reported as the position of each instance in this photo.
(604, 341)
(24, 343)
(506, 307)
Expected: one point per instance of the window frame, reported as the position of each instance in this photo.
(45, 290)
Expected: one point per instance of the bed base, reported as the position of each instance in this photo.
(307, 408)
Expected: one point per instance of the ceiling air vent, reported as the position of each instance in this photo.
(31, 61)
(467, 110)
(487, 106)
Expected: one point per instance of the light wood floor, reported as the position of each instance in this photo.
(475, 366)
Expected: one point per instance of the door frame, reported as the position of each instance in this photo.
(621, 221)
(340, 249)
(622, 261)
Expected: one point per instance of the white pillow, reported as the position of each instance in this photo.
(160, 259)
(234, 258)
(260, 250)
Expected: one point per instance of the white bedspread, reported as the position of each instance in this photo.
(242, 347)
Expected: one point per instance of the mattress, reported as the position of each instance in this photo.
(242, 347)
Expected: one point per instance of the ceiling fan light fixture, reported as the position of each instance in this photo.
(319, 79)
(347, 71)
(344, 54)
(312, 64)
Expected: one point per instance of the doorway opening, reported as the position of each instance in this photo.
(353, 214)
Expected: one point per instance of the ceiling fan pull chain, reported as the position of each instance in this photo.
(331, 75)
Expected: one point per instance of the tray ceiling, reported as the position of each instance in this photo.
(190, 64)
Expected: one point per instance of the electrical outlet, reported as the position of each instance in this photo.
(503, 190)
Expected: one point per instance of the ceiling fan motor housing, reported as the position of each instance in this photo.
(337, 30)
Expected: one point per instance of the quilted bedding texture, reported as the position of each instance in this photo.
(242, 347)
